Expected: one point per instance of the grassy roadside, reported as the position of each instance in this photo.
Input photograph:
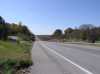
(14, 56)
(97, 44)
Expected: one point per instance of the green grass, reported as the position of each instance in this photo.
(14, 54)
(13, 50)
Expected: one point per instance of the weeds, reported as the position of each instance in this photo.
(10, 66)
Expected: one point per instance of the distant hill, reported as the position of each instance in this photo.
(44, 37)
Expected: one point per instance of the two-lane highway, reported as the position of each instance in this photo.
(60, 58)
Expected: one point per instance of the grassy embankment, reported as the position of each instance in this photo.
(14, 56)
(97, 43)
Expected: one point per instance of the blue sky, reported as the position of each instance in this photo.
(44, 16)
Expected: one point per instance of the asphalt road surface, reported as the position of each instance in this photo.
(60, 58)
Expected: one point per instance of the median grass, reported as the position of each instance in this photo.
(14, 56)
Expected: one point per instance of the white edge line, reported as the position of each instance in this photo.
(73, 63)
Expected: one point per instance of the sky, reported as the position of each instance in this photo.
(44, 16)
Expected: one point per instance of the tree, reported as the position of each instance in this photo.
(3, 29)
(85, 31)
(97, 30)
(2, 21)
(7, 29)
(75, 34)
(92, 36)
(58, 34)
(67, 33)
(86, 27)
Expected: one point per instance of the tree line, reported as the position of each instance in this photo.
(85, 32)
(12, 29)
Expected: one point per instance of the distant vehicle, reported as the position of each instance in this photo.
(13, 38)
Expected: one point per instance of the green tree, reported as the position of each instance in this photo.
(58, 34)
(85, 31)
(7, 29)
(67, 33)
(3, 29)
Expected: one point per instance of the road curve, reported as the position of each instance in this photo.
(60, 58)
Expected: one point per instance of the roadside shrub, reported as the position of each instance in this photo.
(7, 62)
(8, 66)
(24, 64)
